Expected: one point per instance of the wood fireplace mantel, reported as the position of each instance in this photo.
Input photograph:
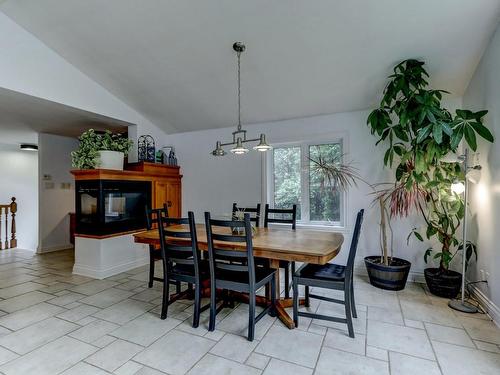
(141, 171)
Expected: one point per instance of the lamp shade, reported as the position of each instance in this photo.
(219, 151)
(262, 146)
(239, 149)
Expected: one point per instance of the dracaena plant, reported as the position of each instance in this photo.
(418, 131)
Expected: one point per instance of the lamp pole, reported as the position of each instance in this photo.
(461, 304)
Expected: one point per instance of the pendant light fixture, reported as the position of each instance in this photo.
(240, 135)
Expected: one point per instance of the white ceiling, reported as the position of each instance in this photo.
(172, 60)
(20, 111)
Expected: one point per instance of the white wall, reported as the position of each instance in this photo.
(56, 200)
(32, 68)
(19, 175)
(213, 184)
(484, 93)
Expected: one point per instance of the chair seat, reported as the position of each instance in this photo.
(188, 270)
(332, 272)
(262, 275)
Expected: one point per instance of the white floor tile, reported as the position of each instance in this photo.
(402, 364)
(459, 360)
(336, 362)
(114, 355)
(293, 346)
(183, 352)
(340, 340)
(450, 335)
(399, 339)
(36, 335)
(211, 364)
(277, 367)
(233, 347)
(29, 315)
(145, 329)
(63, 353)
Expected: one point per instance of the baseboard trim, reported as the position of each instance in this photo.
(487, 304)
(95, 273)
(50, 249)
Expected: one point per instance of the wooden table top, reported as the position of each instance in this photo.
(302, 245)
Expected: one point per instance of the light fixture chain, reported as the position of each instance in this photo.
(239, 90)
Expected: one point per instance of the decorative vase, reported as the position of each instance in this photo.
(389, 277)
(110, 160)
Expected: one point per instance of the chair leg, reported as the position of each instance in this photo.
(287, 281)
(166, 294)
(273, 296)
(296, 302)
(307, 300)
(213, 308)
(151, 268)
(197, 304)
(353, 304)
(347, 301)
(178, 287)
(251, 315)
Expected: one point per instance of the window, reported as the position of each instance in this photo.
(295, 177)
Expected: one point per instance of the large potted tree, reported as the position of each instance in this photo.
(418, 132)
(385, 271)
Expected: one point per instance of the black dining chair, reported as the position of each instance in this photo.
(253, 211)
(329, 276)
(181, 260)
(286, 216)
(152, 220)
(235, 270)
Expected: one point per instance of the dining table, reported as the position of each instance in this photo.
(274, 244)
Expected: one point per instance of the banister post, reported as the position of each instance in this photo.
(13, 210)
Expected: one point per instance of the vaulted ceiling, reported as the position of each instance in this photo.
(172, 61)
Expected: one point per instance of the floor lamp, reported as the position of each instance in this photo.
(459, 187)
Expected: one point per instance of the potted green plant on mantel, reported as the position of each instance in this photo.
(102, 150)
(418, 132)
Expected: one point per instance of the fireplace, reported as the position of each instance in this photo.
(105, 207)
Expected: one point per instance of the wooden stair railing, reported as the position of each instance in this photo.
(8, 242)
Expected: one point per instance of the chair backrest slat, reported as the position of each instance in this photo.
(153, 214)
(220, 259)
(290, 212)
(174, 252)
(253, 210)
(354, 241)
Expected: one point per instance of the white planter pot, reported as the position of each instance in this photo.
(110, 160)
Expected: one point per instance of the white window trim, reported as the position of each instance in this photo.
(268, 185)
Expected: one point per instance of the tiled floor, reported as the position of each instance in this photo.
(52, 322)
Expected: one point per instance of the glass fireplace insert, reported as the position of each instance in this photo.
(106, 207)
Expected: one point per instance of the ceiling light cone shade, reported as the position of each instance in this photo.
(239, 149)
(457, 187)
(262, 146)
(219, 151)
(451, 157)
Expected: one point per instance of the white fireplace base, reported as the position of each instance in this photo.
(101, 258)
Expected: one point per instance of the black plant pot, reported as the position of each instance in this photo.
(443, 283)
(391, 277)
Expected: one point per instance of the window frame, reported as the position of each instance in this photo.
(268, 177)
